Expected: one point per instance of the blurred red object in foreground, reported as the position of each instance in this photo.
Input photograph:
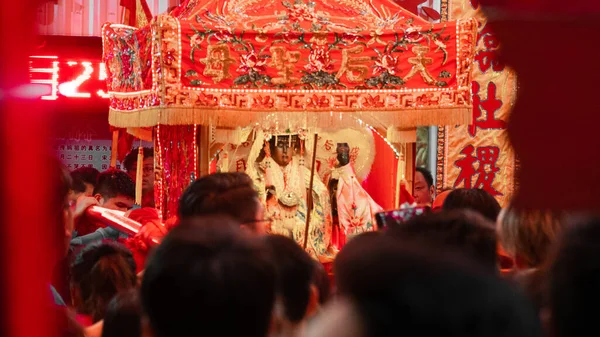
(28, 244)
(553, 126)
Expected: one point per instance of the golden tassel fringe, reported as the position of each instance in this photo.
(404, 119)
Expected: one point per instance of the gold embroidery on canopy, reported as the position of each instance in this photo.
(352, 67)
(420, 63)
(217, 62)
(284, 61)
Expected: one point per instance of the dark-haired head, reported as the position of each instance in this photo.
(123, 315)
(130, 161)
(130, 165)
(423, 189)
(115, 190)
(464, 231)
(390, 289)
(99, 272)
(230, 194)
(84, 181)
(473, 199)
(574, 275)
(295, 278)
(208, 278)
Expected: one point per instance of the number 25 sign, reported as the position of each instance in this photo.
(69, 78)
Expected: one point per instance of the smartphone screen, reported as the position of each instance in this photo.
(398, 217)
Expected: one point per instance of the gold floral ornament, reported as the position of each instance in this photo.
(386, 63)
(413, 34)
(319, 38)
(261, 36)
(195, 41)
(299, 12)
(217, 62)
(251, 62)
(319, 60)
(386, 67)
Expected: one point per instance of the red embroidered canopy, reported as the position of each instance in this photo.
(237, 62)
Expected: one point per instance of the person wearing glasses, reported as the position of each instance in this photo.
(230, 194)
(130, 165)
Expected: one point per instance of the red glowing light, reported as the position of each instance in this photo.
(69, 78)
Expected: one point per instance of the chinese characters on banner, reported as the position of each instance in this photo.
(479, 155)
(87, 153)
(92, 153)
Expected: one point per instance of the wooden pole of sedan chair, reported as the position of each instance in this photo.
(114, 149)
(402, 139)
(309, 196)
(203, 148)
(411, 150)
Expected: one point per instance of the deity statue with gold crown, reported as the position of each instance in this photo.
(283, 181)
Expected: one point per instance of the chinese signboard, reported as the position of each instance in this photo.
(90, 153)
(479, 155)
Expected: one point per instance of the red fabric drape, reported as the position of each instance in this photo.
(381, 182)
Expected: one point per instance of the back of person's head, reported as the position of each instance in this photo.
(208, 278)
(295, 271)
(113, 183)
(61, 216)
(82, 177)
(464, 231)
(474, 199)
(398, 289)
(527, 235)
(231, 194)
(99, 272)
(438, 202)
(574, 275)
(123, 316)
(130, 161)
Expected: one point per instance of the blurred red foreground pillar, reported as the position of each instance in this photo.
(555, 122)
(24, 232)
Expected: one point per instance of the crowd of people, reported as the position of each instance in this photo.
(467, 268)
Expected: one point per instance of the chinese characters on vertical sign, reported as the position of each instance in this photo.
(479, 155)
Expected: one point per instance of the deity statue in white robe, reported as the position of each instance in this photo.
(353, 208)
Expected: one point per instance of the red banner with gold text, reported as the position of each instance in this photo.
(479, 155)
